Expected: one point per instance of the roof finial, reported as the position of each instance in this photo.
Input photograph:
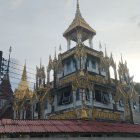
(78, 13)
(100, 45)
(105, 51)
(8, 65)
(60, 48)
(40, 62)
(55, 54)
(24, 74)
(121, 59)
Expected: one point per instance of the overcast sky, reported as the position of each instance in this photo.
(34, 27)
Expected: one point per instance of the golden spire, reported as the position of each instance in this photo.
(78, 13)
(23, 88)
(24, 74)
(77, 22)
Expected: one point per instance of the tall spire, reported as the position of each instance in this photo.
(78, 13)
(40, 62)
(24, 74)
(8, 65)
(121, 59)
(79, 26)
(55, 54)
(105, 51)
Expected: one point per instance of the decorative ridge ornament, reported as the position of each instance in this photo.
(24, 74)
(78, 13)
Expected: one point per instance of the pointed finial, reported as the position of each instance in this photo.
(55, 54)
(8, 65)
(105, 51)
(111, 55)
(24, 74)
(100, 45)
(121, 59)
(78, 13)
(60, 48)
(40, 62)
(50, 58)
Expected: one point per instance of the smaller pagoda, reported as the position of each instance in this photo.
(23, 99)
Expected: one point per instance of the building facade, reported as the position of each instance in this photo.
(82, 86)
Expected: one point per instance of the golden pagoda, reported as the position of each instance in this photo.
(23, 98)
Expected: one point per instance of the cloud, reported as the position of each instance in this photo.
(16, 3)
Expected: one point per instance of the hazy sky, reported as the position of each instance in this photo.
(34, 27)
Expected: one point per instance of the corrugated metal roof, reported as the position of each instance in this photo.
(65, 126)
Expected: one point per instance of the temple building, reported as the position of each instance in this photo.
(82, 87)
(24, 99)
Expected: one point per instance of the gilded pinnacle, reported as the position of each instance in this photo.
(78, 13)
(24, 74)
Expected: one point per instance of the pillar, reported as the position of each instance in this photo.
(91, 41)
(68, 43)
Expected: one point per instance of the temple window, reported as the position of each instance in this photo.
(77, 95)
(134, 105)
(87, 94)
(105, 98)
(87, 63)
(46, 104)
(74, 64)
(68, 66)
(98, 96)
(121, 103)
(66, 98)
(93, 64)
(52, 109)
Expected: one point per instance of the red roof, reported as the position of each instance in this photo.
(65, 126)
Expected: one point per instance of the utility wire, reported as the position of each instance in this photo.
(21, 85)
(18, 68)
(20, 79)
(21, 75)
(21, 65)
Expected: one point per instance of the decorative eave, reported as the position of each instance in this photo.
(79, 22)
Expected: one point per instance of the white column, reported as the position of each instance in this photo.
(68, 43)
(91, 41)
